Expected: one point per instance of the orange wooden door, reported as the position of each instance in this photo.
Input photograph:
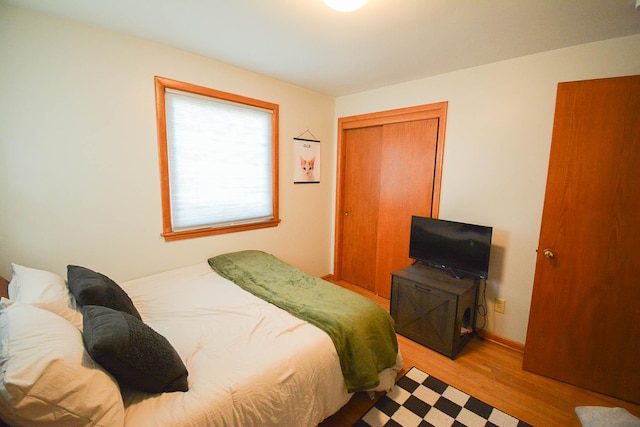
(584, 325)
(407, 174)
(363, 149)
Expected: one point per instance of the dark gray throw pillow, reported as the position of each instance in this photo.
(93, 288)
(135, 354)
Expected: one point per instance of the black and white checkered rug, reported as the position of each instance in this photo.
(420, 400)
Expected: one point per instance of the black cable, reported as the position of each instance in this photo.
(482, 307)
(453, 273)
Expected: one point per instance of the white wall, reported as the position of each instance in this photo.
(79, 177)
(496, 151)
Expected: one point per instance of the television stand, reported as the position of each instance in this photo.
(433, 308)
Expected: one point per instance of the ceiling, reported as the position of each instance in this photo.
(386, 42)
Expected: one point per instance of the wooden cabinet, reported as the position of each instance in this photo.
(433, 308)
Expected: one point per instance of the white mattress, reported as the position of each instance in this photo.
(249, 363)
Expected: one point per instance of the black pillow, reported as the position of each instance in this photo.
(92, 288)
(135, 354)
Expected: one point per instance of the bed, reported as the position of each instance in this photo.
(228, 356)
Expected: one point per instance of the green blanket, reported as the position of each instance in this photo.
(362, 331)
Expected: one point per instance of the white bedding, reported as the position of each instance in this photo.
(250, 363)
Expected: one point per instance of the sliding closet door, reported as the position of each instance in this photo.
(363, 149)
(406, 175)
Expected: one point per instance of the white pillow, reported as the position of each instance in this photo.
(45, 290)
(47, 377)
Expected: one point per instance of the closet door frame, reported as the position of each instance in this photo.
(419, 112)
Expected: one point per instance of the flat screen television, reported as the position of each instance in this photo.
(462, 249)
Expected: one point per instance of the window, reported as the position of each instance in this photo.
(218, 161)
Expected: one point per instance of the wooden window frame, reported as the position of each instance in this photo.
(161, 85)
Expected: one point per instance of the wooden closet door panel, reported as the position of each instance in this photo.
(406, 189)
(363, 148)
(585, 311)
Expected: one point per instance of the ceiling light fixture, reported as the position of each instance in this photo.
(345, 5)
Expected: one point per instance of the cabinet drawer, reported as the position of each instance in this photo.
(420, 287)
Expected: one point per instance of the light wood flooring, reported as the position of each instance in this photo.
(492, 373)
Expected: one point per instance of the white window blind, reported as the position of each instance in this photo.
(219, 161)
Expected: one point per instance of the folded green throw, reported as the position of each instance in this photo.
(362, 331)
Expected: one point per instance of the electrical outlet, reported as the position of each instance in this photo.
(499, 305)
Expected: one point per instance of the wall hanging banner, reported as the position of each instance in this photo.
(306, 160)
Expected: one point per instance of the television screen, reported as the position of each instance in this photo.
(463, 249)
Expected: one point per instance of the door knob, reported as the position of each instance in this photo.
(346, 213)
(548, 253)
